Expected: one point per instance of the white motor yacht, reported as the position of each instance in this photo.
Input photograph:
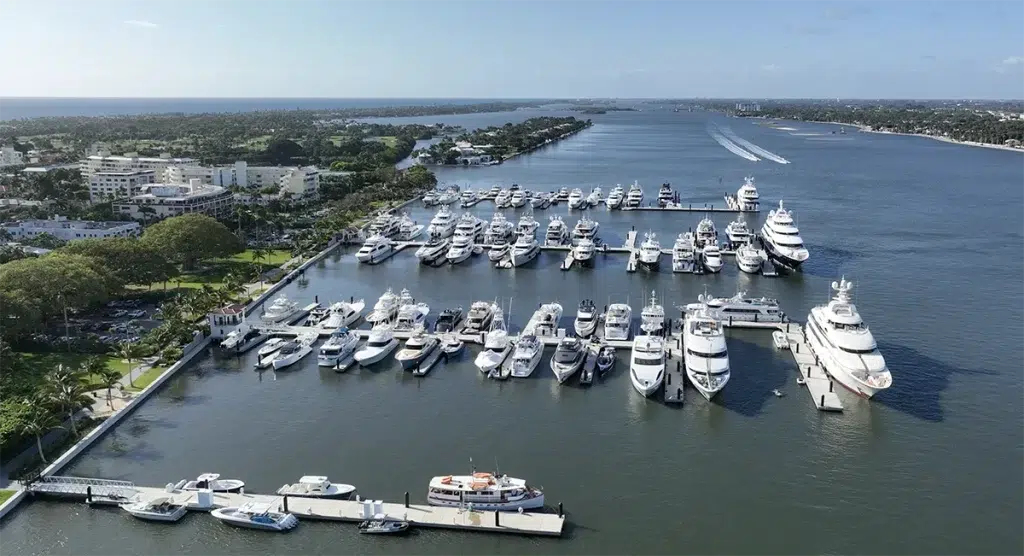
(781, 238)
(635, 196)
(525, 250)
(576, 199)
(411, 315)
(527, 356)
(618, 321)
(385, 224)
(748, 258)
(434, 249)
(280, 310)
(212, 481)
(243, 338)
(418, 347)
(270, 347)
(449, 195)
(156, 509)
(430, 198)
(378, 346)
(479, 317)
(706, 357)
(665, 195)
(469, 198)
(705, 232)
(647, 363)
(652, 317)
(518, 199)
(504, 199)
(375, 249)
(470, 225)
(256, 515)
(496, 344)
(541, 201)
(527, 224)
(845, 346)
(408, 229)
(586, 318)
(338, 347)
(485, 492)
(568, 358)
(295, 351)
(316, 486)
(740, 308)
(712, 257)
(683, 259)
(462, 247)
(557, 233)
(585, 228)
(499, 251)
(343, 313)
(650, 251)
(737, 231)
(443, 224)
(500, 229)
(385, 309)
(615, 198)
(595, 197)
(747, 197)
(493, 192)
(584, 250)
(544, 321)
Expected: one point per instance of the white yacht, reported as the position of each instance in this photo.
(568, 358)
(496, 344)
(747, 197)
(411, 315)
(525, 250)
(544, 321)
(518, 199)
(338, 347)
(527, 224)
(748, 258)
(844, 345)
(500, 229)
(782, 238)
(683, 259)
(526, 356)
(665, 195)
(493, 192)
(293, 352)
(443, 224)
(650, 251)
(737, 231)
(434, 249)
(469, 225)
(156, 509)
(280, 310)
(584, 250)
(408, 228)
(479, 317)
(469, 198)
(585, 228)
(618, 321)
(385, 309)
(740, 308)
(484, 492)
(635, 196)
(595, 197)
(652, 318)
(256, 515)
(343, 313)
(430, 198)
(376, 249)
(499, 251)
(557, 233)
(705, 232)
(712, 257)
(418, 347)
(562, 195)
(378, 346)
(243, 338)
(269, 348)
(647, 363)
(586, 319)
(462, 247)
(212, 481)
(615, 198)
(576, 199)
(449, 196)
(385, 224)
(315, 486)
(541, 201)
(504, 199)
(706, 357)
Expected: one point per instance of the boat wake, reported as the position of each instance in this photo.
(768, 155)
(732, 147)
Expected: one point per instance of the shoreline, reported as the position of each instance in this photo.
(867, 129)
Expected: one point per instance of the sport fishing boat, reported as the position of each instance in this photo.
(378, 346)
(665, 195)
(595, 197)
(385, 309)
(526, 357)
(375, 249)
(496, 344)
(470, 225)
(448, 320)
(635, 196)
(652, 317)
(712, 256)
(617, 321)
(525, 250)
(157, 509)
(408, 229)
(647, 363)
(568, 358)
(705, 232)
(544, 321)
(615, 198)
(338, 347)
(434, 249)
(418, 347)
(504, 199)
(782, 240)
(256, 515)
(557, 232)
(461, 249)
(748, 258)
(280, 310)
(650, 251)
(683, 259)
(845, 346)
(577, 200)
(479, 317)
(583, 252)
(316, 486)
(706, 356)
(212, 481)
(443, 224)
(737, 232)
(485, 491)
(586, 319)
(585, 228)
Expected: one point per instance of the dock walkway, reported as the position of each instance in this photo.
(816, 380)
(675, 382)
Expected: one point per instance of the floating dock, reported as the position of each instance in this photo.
(98, 491)
(675, 379)
(816, 380)
(687, 208)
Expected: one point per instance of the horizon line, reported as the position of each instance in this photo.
(520, 99)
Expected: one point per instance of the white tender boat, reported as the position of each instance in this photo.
(212, 481)
(461, 249)
(585, 229)
(683, 259)
(647, 363)
(781, 238)
(315, 486)
(385, 309)
(418, 347)
(586, 318)
(557, 232)
(375, 249)
(343, 313)
(748, 259)
(712, 257)
(338, 347)
(635, 195)
(707, 356)
(408, 229)
(652, 317)
(544, 321)
(254, 515)
(618, 321)
(280, 310)
(525, 249)
(157, 509)
(436, 248)
(443, 224)
(496, 344)
(650, 251)
(378, 346)
(576, 199)
(485, 492)
(568, 358)
(526, 356)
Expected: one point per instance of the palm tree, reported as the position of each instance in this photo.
(37, 420)
(129, 351)
(93, 367)
(64, 389)
(109, 378)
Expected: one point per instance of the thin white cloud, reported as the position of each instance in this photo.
(141, 23)
(770, 67)
(1009, 63)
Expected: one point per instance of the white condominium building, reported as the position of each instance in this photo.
(109, 185)
(69, 230)
(158, 201)
(96, 163)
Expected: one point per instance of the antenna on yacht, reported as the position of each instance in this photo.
(471, 466)
(496, 472)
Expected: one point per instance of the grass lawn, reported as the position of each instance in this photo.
(147, 378)
(275, 257)
(42, 363)
(215, 270)
(5, 494)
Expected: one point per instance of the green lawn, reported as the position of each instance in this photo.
(5, 494)
(275, 257)
(215, 270)
(42, 363)
(147, 378)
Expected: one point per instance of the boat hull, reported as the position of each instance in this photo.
(534, 503)
(520, 259)
(564, 372)
(646, 387)
(704, 391)
(292, 358)
(369, 356)
(836, 370)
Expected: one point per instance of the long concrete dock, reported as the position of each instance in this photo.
(687, 208)
(418, 515)
(816, 380)
(675, 381)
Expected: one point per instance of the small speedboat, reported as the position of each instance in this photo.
(448, 320)
(381, 524)
(605, 359)
(780, 340)
(316, 486)
(269, 348)
(157, 509)
(212, 481)
(778, 393)
(417, 348)
(451, 344)
(800, 380)
(255, 515)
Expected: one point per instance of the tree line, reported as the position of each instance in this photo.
(510, 138)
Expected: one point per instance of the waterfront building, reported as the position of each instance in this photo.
(158, 201)
(69, 230)
(10, 157)
(297, 182)
(99, 163)
(112, 184)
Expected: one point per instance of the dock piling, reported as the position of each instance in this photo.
(88, 494)
(407, 499)
(285, 502)
(497, 520)
(822, 401)
(560, 512)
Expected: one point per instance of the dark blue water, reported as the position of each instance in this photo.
(932, 234)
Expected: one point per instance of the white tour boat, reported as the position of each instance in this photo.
(781, 238)
(256, 515)
(484, 492)
(375, 249)
(316, 486)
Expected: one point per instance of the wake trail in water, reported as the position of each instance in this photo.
(728, 132)
(732, 147)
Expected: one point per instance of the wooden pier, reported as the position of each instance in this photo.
(816, 380)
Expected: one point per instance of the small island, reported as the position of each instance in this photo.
(494, 145)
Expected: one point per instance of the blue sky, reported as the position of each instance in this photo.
(483, 49)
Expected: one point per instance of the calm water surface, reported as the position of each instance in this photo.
(930, 233)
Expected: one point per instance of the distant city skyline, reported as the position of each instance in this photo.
(513, 49)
